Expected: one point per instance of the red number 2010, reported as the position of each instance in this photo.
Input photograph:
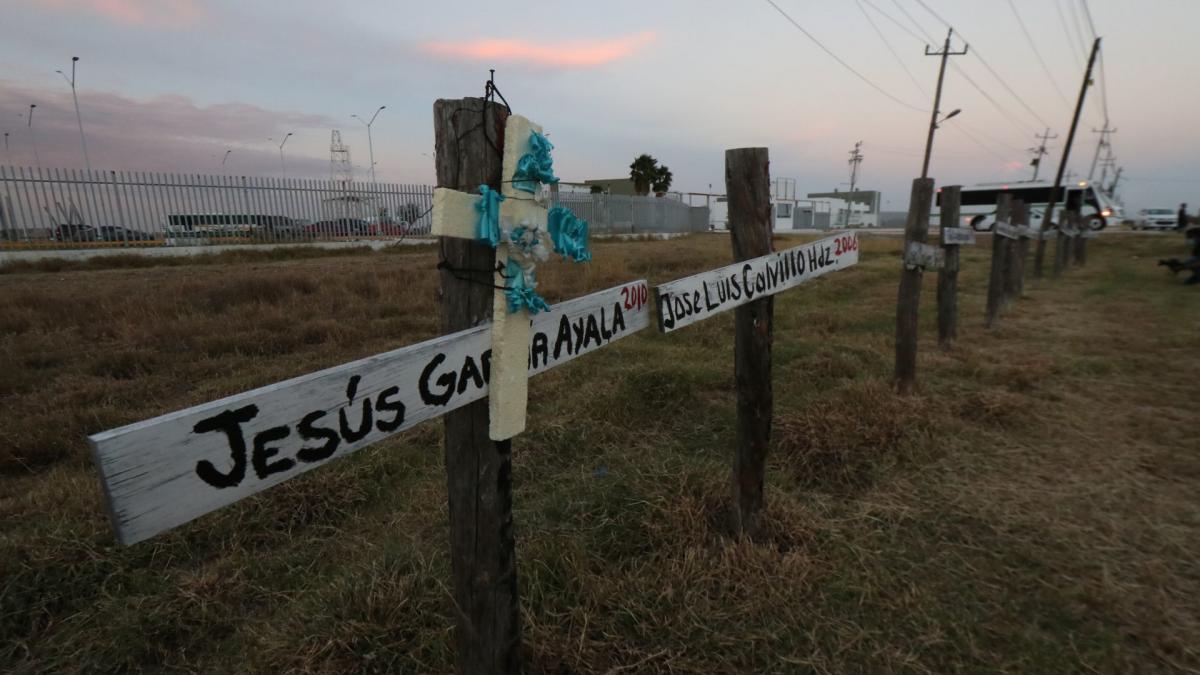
(635, 297)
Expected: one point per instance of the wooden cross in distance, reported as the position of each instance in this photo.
(455, 215)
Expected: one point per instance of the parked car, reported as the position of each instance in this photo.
(340, 227)
(388, 227)
(1156, 219)
(75, 232)
(118, 233)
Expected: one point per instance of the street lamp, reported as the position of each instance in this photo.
(282, 168)
(78, 117)
(952, 113)
(370, 145)
(33, 137)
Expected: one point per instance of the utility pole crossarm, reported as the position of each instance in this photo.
(937, 98)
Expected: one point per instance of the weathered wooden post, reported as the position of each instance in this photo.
(947, 288)
(1001, 236)
(468, 134)
(1012, 258)
(916, 232)
(747, 182)
(1021, 217)
(1080, 248)
(1039, 255)
(1062, 242)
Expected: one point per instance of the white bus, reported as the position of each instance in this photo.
(979, 203)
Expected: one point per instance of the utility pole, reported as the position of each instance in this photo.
(856, 158)
(1040, 151)
(1112, 188)
(937, 98)
(1100, 145)
(1062, 165)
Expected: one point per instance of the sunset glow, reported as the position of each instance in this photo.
(574, 54)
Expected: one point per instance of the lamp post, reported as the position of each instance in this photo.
(370, 144)
(282, 168)
(33, 137)
(79, 118)
(934, 125)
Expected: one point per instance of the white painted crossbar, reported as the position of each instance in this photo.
(700, 296)
(166, 471)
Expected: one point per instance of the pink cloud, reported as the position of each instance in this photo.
(152, 13)
(571, 54)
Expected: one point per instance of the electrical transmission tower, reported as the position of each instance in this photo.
(340, 168)
(1101, 145)
(1040, 151)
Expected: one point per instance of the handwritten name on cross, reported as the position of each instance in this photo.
(515, 222)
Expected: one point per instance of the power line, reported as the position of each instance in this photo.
(958, 69)
(991, 139)
(978, 142)
(891, 49)
(1087, 13)
(1038, 54)
(1062, 18)
(893, 19)
(845, 65)
(920, 28)
(1075, 24)
(989, 67)
(983, 92)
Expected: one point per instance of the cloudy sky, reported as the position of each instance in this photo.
(169, 85)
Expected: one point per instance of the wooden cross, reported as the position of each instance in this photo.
(455, 214)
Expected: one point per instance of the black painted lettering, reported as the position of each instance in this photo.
(310, 432)
(541, 347)
(263, 452)
(709, 305)
(470, 373)
(746, 269)
(445, 382)
(384, 403)
(593, 332)
(364, 423)
(665, 310)
(618, 323)
(563, 338)
(230, 422)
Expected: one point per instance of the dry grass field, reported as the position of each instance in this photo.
(1034, 509)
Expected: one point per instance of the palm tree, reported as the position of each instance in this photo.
(643, 173)
(662, 180)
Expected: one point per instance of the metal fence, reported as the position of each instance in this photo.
(624, 214)
(63, 208)
(69, 207)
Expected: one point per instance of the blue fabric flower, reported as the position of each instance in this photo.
(488, 207)
(520, 291)
(569, 234)
(535, 166)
